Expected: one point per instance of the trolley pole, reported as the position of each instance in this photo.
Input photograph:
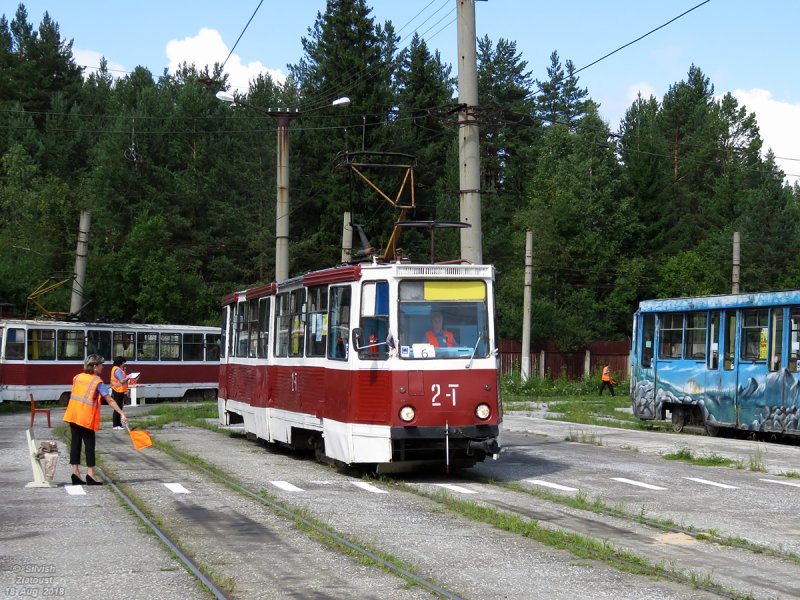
(468, 141)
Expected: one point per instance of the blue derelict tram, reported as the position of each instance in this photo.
(723, 362)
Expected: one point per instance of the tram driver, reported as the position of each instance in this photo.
(437, 336)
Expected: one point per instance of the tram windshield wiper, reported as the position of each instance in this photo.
(474, 350)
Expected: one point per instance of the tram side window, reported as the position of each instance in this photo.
(339, 322)
(170, 346)
(252, 328)
(263, 327)
(374, 321)
(41, 344)
(776, 340)
(70, 344)
(213, 346)
(99, 342)
(15, 344)
(193, 346)
(317, 321)
(670, 335)
(648, 339)
(696, 335)
(290, 324)
(729, 341)
(794, 339)
(147, 345)
(713, 338)
(123, 344)
(754, 334)
(239, 330)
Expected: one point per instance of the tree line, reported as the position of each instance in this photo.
(181, 187)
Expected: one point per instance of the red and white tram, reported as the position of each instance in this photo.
(41, 357)
(341, 361)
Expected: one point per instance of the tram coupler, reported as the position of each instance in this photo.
(489, 447)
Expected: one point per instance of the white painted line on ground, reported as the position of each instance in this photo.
(369, 487)
(781, 482)
(75, 490)
(638, 483)
(714, 483)
(177, 488)
(286, 486)
(555, 486)
(456, 488)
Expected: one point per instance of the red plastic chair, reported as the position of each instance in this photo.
(35, 410)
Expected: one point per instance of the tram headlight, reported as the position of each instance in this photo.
(407, 413)
(483, 412)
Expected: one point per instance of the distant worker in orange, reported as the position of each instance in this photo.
(436, 335)
(607, 381)
(83, 416)
(119, 387)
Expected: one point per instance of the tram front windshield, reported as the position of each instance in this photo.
(442, 319)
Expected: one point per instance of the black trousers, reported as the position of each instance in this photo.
(610, 387)
(119, 397)
(85, 436)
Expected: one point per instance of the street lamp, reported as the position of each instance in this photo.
(282, 119)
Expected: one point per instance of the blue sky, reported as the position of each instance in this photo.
(743, 46)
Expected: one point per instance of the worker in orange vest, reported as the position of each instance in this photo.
(607, 381)
(83, 416)
(119, 387)
(436, 335)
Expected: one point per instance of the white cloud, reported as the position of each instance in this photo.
(779, 123)
(207, 48)
(90, 60)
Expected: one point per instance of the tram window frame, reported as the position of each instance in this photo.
(147, 345)
(794, 339)
(193, 346)
(316, 320)
(15, 343)
(754, 335)
(41, 344)
(224, 334)
(120, 349)
(696, 335)
(239, 336)
(98, 341)
(648, 340)
(340, 300)
(263, 326)
(66, 347)
(374, 320)
(713, 339)
(776, 338)
(289, 323)
(213, 347)
(729, 340)
(670, 336)
(169, 346)
(252, 328)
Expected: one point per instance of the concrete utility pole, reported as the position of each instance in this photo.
(736, 261)
(526, 309)
(81, 254)
(282, 119)
(347, 238)
(468, 146)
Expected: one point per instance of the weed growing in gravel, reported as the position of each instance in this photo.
(708, 460)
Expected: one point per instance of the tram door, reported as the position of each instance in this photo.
(721, 383)
(643, 374)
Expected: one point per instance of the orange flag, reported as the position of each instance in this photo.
(140, 439)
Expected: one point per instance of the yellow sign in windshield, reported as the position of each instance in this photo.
(455, 290)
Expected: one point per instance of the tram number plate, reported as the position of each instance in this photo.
(449, 393)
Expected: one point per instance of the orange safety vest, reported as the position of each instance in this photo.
(119, 380)
(434, 341)
(84, 402)
(606, 374)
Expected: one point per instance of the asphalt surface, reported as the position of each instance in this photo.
(56, 544)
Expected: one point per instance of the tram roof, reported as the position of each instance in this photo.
(746, 300)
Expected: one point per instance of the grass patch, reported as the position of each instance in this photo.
(791, 474)
(584, 437)
(708, 460)
(193, 415)
(757, 463)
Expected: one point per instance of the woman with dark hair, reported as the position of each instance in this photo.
(83, 416)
